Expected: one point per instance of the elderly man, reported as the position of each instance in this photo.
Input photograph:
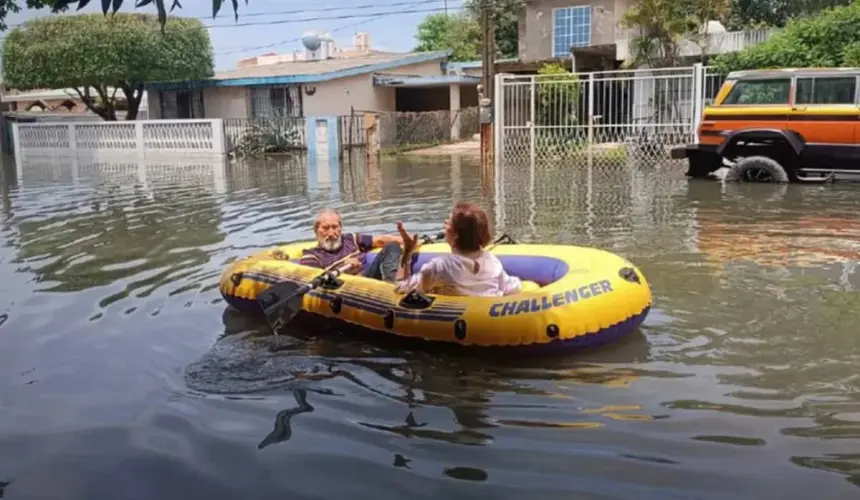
(335, 246)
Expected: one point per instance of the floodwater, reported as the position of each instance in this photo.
(124, 376)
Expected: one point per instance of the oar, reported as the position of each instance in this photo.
(282, 301)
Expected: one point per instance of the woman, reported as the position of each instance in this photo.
(467, 270)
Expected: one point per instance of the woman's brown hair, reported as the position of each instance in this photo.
(471, 227)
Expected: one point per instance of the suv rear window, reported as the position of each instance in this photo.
(826, 90)
(750, 92)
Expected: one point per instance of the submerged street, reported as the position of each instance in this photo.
(124, 375)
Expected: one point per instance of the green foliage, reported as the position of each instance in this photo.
(121, 50)
(456, 32)
(505, 17)
(828, 39)
(278, 135)
(461, 32)
(852, 54)
(663, 23)
(113, 6)
(777, 13)
(557, 100)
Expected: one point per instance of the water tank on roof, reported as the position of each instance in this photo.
(312, 41)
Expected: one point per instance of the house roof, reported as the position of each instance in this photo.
(389, 80)
(305, 71)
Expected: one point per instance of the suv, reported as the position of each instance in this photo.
(783, 125)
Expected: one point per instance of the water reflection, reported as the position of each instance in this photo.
(283, 431)
(243, 361)
(746, 367)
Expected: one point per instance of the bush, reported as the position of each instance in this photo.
(829, 39)
(270, 136)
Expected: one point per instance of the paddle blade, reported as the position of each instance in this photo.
(281, 303)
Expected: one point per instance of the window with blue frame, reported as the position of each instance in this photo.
(571, 28)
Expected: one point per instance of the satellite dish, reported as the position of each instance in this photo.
(311, 41)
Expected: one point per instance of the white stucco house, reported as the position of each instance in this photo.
(374, 81)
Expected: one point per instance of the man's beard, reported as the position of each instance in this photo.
(331, 244)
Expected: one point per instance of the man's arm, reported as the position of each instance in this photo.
(380, 240)
(368, 242)
(311, 260)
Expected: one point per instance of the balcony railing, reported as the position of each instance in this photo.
(713, 43)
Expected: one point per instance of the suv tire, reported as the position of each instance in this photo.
(757, 169)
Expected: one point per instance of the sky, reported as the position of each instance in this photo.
(276, 25)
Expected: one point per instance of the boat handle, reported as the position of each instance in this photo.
(629, 274)
(416, 300)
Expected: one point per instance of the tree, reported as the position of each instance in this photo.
(557, 99)
(777, 13)
(662, 24)
(458, 33)
(828, 39)
(93, 52)
(56, 6)
(505, 16)
(461, 32)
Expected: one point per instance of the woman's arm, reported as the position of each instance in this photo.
(422, 281)
(510, 284)
(410, 245)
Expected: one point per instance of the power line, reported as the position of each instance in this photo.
(292, 40)
(285, 12)
(369, 17)
(298, 39)
(334, 9)
(324, 18)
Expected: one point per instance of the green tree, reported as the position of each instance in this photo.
(828, 39)
(663, 24)
(461, 32)
(93, 52)
(457, 32)
(7, 6)
(505, 16)
(557, 99)
(777, 13)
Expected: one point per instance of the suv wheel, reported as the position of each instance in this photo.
(757, 169)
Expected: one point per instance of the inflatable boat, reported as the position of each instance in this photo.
(573, 297)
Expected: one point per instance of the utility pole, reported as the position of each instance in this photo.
(487, 95)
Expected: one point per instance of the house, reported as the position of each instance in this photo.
(588, 35)
(321, 83)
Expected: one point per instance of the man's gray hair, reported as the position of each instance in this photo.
(325, 211)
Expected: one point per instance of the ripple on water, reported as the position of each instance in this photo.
(744, 371)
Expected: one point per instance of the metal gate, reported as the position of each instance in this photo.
(607, 116)
(565, 139)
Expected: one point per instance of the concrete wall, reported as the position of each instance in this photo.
(536, 24)
(335, 97)
(226, 102)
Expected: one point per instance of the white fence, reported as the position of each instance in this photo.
(610, 116)
(140, 137)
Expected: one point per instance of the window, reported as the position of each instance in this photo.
(571, 28)
(826, 90)
(181, 104)
(268, 102)
(752, 92)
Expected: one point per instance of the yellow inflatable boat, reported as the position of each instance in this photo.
(577, 297)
